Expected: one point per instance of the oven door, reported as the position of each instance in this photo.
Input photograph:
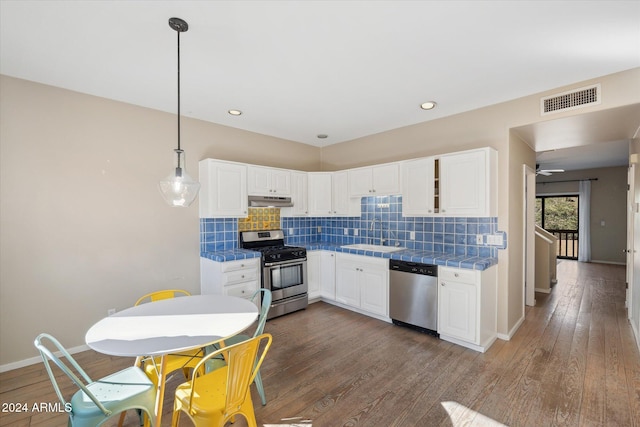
(285, 279)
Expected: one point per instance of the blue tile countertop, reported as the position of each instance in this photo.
(230, 255)
(426, 257)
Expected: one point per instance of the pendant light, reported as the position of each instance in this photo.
(179, 189)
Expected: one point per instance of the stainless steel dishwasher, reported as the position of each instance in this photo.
(413, 295)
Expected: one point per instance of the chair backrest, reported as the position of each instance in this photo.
(243, 365)
(50, 356)
(264, 308)
(160, 295)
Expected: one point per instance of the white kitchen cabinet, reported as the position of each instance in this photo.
(240, 278)
(321, 274)
(363, 283)
(328, 195)
(299, 195)
(223, 191)
(328, 275)
(418, 179)
(467, 306)
(381, 180)
(343, 203)
(320, 194)
(468, 183)
(265, 181)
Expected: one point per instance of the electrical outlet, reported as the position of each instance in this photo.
(111, 312)
(346, 232)
(291, 232)
(355, 231)
(479, 239)
(412, 235)
(495, 239)
(319, 229)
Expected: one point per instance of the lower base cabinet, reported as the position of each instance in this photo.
(321, 270)
(467, 307)
(363, 283)
(240, 278)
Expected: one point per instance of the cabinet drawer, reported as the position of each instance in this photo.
(458, 275)
(239, 276)
(242, 290)
(242, 264)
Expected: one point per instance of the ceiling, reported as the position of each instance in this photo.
(346, 69)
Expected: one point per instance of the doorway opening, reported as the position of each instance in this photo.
(558, 215)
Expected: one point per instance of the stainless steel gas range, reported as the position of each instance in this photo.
(284, 270)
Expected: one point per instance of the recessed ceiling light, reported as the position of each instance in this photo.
(429, 105)
(322, 136)
(235, 112)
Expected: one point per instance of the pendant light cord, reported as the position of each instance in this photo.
(178, 90)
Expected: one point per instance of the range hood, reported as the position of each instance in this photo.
(269, 202)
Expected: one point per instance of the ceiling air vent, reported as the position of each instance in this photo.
(571, 100)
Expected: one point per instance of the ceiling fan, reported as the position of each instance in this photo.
(547, 172)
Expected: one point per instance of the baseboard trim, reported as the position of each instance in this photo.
(37, 359)
(544, 291)
(607, 262)
(513, 330)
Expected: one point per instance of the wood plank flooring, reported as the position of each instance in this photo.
(573, 362)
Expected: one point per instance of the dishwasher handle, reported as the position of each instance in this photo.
(413, 267)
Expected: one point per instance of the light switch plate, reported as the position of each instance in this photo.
(479, 240)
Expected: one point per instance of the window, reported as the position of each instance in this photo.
(559, 216)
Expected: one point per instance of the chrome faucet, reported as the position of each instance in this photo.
(372, 229)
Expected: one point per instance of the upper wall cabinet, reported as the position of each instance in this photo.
(299, 195)
(320, 193)
(223, 191)
(328, 195)
(468, 183)
(457, 184)
(382, 180)
(265, 181)
(418, 184)
(343, 203)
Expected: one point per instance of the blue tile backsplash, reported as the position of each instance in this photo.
(381, 216)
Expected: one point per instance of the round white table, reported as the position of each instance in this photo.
(170, 326)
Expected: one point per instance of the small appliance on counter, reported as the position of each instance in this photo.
(284, 270)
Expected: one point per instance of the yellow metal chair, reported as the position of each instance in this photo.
(184, 361)
(214, 398)
(160, 295)
(264, 303)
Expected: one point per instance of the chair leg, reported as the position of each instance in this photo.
(122, 415)
(258, 381)
(176, 418)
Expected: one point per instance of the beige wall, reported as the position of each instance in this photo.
(83, 228)
(486, 127)
(608, 204)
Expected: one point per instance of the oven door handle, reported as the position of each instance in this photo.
(285, 263)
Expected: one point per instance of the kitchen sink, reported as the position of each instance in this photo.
(374, 248)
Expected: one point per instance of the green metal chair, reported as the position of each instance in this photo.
(98, 401)
(215, 363)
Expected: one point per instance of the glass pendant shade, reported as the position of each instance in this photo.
(179, 189)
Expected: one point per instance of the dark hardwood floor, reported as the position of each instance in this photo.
(573, 362)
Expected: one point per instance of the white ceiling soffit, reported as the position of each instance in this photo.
(297, 69)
